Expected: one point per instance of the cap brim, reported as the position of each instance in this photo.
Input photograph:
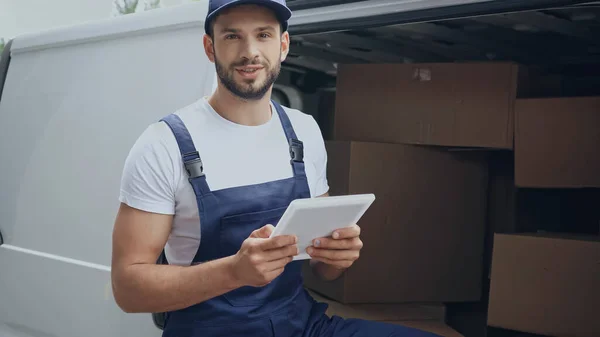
(282, 12)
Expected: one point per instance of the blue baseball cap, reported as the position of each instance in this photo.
(282, 12)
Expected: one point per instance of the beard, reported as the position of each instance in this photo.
(248, 89)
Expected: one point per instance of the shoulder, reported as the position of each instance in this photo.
(153, 169)
(155, 153)
(158, 136)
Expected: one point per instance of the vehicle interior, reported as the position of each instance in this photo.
(559, 43)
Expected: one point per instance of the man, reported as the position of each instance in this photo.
(207, 183)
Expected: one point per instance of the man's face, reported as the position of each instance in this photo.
(247, 49)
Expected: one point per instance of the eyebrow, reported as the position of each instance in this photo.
(229, 30)
(261, 29)
(236, 30)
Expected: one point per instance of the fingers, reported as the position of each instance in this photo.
(346, 233)
(263, 232)
(277, 254)
(331, 254)
(353, 243)
(278, 242)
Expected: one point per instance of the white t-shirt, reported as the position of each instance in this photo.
(154, 178)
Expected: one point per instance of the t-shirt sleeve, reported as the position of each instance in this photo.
(321, 183)
(148, 179)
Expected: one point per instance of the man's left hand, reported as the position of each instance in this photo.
(340, 250)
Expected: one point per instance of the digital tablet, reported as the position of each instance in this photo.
(313, 218)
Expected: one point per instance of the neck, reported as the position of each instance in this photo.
(240, 111)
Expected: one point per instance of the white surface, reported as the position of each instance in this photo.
(162, 19)
(310, 219)
(70, 114)
(155, 180)
(24, 16)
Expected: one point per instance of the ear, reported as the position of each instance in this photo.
(285, 45)
(209, 48)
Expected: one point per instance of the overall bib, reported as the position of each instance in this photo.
(283, 308)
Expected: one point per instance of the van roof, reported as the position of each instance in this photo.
(168, 18)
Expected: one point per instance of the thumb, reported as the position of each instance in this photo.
(263, 232)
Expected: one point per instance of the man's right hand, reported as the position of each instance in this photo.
(261, 259)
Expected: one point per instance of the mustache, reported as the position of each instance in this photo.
(246, 62)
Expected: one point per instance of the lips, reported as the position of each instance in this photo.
(250, 71)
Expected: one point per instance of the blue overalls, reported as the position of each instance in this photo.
(281, 309)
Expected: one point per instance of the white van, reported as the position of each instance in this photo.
(74, 100)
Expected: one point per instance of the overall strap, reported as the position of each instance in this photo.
(296, 146)
(189, 154)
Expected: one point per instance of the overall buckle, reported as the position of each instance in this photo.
(297, 150)
(194, 167)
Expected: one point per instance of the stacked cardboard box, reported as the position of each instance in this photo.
(423, 235)
(427, 317)
(546, 284)
(455, 153)
(557, 142)
(467, 105)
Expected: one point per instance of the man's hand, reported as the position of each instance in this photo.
(339, 251)
(261, 259)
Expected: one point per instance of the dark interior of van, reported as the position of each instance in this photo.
(559, 41)
(560, 44)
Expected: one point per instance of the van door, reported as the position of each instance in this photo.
(74, 101)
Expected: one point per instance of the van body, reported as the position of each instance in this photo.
(73, 100)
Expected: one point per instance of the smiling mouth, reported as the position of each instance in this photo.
(249, 69)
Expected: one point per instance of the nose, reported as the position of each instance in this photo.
(250, 49)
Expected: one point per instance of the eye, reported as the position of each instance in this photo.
(230, 36)
(264, 35)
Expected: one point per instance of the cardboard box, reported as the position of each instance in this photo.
(384, 311)
(447, 104)
(546, 284)
(557, 142)
(424, 234)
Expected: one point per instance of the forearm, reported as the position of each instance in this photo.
(324, 271)
(160, 288)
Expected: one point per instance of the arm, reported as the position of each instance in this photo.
(140, 285)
